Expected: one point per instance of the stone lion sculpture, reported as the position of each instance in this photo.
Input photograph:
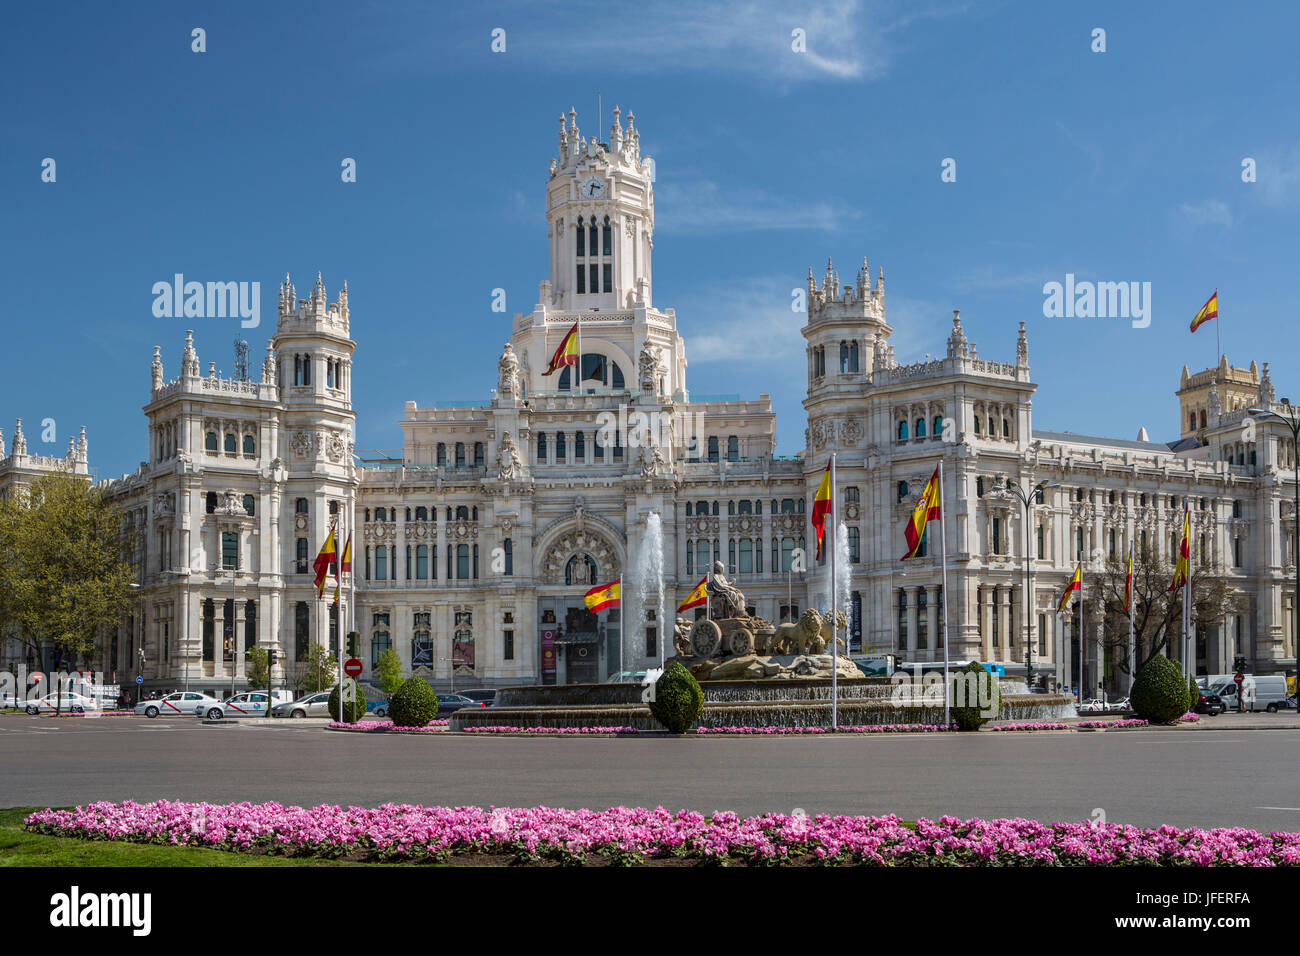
(824, 635)
(798, 637)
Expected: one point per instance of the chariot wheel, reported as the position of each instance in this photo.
(740, 642)
(706, 638)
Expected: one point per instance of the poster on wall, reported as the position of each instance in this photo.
(548, 649)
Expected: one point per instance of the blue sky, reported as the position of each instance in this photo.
(1117, 166)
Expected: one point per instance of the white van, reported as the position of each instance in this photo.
(1257, 693)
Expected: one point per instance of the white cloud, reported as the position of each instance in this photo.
(693, 206)
(1207, 212)
(1277, 175)
(749, 319)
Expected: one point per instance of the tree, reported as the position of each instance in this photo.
(1157, 612)
(65, 581)
(388, 671)
(257, 667)
(318, 672)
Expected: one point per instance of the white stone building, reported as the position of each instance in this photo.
(475, 545)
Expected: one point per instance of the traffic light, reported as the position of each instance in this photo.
(270, 657)
(352, 643)
(1239, 664)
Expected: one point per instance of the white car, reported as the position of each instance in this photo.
(1092, 706)
(249, 704)
(70, 704)
(185, 703)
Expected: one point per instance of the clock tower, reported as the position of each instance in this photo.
(600, 212)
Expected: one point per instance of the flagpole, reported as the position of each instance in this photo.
(830, 510)
(1083, 630)
(943, 560)
(622, 621)
(1132, 644)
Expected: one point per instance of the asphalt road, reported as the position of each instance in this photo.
(1203, 777)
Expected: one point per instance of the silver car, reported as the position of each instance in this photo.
(314, 705)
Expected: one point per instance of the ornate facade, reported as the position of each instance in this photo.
(474, 547)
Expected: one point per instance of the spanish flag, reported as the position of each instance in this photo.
(927, 509)
(1208, 311)
(821, 508)
(346, 563)
(324, 562)
(603, 596)
(698, 596)
(1074, 584)
(567, 353)
(1128, 583)
(1184, 552)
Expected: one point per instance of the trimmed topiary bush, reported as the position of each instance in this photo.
(1160, 692)
(414, 704)
(677, 700)
(976, 696)
(355, 706)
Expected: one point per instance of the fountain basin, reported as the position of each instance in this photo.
(753, 703)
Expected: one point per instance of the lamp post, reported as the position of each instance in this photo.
(1028, 500)
(1290, 417)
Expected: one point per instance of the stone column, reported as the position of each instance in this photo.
(911, 621)
(932, 622)
(986, 596)
(238, 663)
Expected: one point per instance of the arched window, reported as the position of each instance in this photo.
(690, 556)
(733, 448)
(509, 547)
(581, 233)
(920, 428)
(787, 553)
(560, 446)
(249, 505)
(853, 356)
(211, 502)
(746, 565)
(938, 426)
(381, 514)
(250, 445)
(800, 507)
(381, 563)
(1202, 418)
(592, 243)
(746, 507)
(616, 377)
(302, 556)
(977, 424)
(690, 509)
(606, 240)
(851, 496)
(300, 506)
(979, 486)
(902, 431)
(844, 356)
(579, 446)
(1191, 422)
(421, 513)
(422, 561)
(230, 446)
(713, 448)
(442, 455)
(702, 555)
(478, 454)
(731, 507)
(462, 562)
(421, 641)
(541, 446)
(902, 490)
(462, 513)
(210, 441)
(855, 545)
(1006, 428)
(581, 570)
(460, 454)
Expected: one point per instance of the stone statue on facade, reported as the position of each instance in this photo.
(650, 366)
(653, 463)
(510, 466)
(507, 372)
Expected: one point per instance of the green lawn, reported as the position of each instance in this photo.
(20, 848)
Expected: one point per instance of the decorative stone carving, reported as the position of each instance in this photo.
(653, 463)
(650, 367)
(510, 466)
(301, 444)
(576, 543)
(334, 446)
(850, 431)
(507, 372)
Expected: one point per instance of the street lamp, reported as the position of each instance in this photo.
(1290, 417)
(1028, 500)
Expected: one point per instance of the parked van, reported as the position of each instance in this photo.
(1258, 693)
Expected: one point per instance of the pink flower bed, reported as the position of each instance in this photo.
(386, 727)
(626, 835)
(1031, 726)
(1188, 718)
(567, 731)
(851, 729)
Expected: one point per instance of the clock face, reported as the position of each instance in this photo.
(592, 188)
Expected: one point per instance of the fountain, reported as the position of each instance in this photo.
(648, 592)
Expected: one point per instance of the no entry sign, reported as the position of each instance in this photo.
(352, 667)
